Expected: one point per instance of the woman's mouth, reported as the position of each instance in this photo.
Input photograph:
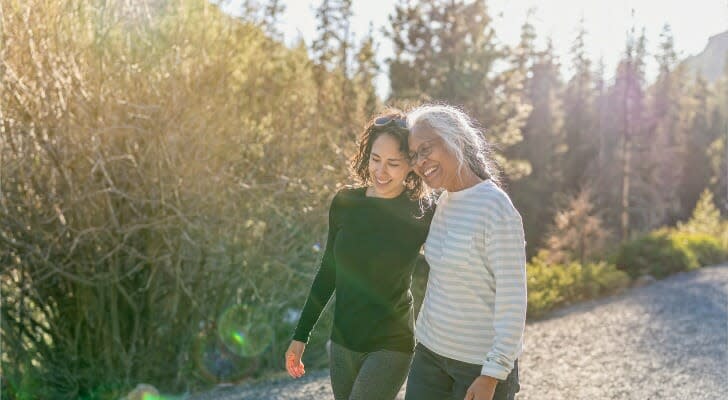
(429, 172)
(382, 181)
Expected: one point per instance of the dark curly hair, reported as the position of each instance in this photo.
(360, 162)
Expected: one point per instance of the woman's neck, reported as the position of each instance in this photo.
(466, 179)
(372, 192)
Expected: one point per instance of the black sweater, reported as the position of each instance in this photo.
(370, 255)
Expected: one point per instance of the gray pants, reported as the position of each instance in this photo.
(434, 377)
(367, 376)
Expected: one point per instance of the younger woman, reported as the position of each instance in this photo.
(375, 235)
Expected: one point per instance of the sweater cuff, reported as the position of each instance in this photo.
(301, 337)
(495, 370)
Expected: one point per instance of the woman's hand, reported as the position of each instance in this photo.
(483, 388)
(294, 366)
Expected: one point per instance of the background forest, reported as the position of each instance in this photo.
(162, 162)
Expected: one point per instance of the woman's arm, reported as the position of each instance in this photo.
(506, 254)
(323, 285)
(322, 288)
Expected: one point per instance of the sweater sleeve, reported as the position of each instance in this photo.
(324, 283)
(505, 253)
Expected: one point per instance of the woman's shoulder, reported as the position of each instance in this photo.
(495, 200)
(347, 194)
(350, 190)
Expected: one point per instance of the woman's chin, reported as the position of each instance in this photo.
(434, 181)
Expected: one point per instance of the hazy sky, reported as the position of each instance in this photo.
(607, 23)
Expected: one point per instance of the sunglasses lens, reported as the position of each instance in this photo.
(381, 121)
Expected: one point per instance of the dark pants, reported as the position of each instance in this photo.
(367, 376)
(434, 377)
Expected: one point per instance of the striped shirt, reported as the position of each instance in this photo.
(475, 304)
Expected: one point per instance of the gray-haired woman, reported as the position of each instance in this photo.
(470, 327)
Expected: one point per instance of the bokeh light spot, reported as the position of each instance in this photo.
(244, 332)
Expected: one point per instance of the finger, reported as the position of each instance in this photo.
(289, 369)
(292, 368)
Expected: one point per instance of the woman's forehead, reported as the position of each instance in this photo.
(420, 134)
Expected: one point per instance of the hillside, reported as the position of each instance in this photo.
(712, 60)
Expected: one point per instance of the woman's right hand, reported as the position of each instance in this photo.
(294, 366)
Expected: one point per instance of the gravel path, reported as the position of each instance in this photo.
(668, 340)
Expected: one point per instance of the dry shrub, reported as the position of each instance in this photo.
(160, 162)
(578, 233)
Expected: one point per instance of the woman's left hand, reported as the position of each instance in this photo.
(482, 388)
(294, 366)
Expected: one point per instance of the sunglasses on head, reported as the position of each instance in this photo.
(384, 121)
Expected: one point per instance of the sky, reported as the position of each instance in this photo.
(607, 23)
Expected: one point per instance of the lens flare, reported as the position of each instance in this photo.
(244, 332)
(217, 364)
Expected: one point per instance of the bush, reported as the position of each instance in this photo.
(553, 285)
(161, 162)
(706, 249)
(656, 254)
(578, 232)
(664, 252)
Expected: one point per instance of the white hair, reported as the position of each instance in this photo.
(460, 134)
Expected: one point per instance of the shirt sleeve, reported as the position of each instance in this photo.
(322, 288)
(506, 254)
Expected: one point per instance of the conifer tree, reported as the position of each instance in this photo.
(664, 129)
(580, 126)
(444, 50)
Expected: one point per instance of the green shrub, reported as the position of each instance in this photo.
(664, 252)
(553, 285)
(657, 254)
(706, 249)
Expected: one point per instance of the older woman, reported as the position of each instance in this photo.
(470, 328)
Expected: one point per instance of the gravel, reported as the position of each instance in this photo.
(668, 340)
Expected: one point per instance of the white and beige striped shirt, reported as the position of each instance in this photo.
(475, 304)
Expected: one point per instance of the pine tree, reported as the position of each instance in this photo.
(664, 130)
(577, 232)
(700, 134)
(718, 149)
(263, 15)
(331, 50)
(627, 105)
(705, 217)
(444, 50)
(542, 145)
(365, 75)
(580, 125)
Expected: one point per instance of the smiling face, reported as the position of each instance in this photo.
(431, 159)
(388, 167)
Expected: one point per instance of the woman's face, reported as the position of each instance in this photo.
(431, 159)
(388, 167)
